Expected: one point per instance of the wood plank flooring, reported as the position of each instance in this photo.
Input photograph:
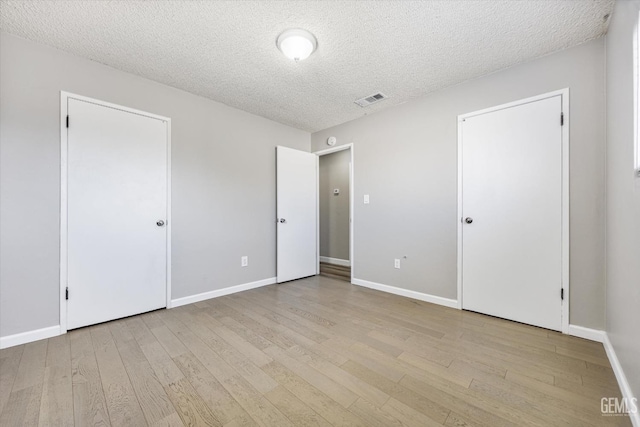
(314, 352)
(337, 272)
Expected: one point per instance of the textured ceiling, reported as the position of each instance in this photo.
(226, 50)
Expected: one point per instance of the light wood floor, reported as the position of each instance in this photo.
(315, 352)
(337, 272)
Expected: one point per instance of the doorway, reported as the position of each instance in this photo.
(115, 212)
(335, 213)
(298, 213)
(513, 211)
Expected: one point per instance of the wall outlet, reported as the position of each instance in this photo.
(366, 199)
(396, 263)
(244, 261)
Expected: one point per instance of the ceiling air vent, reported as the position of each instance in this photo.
(371, 99)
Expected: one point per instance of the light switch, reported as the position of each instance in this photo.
(366, 199)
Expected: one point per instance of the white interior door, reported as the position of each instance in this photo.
(297, 198)
(116, 210)
(512, 197)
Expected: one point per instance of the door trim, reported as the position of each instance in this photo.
(564, 94)
(64, 98)
(351, 204)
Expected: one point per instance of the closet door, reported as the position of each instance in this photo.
(512, 213)
(117, 213)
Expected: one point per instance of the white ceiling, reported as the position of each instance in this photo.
(226, 50)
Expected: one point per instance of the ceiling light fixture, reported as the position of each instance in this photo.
(297, 44)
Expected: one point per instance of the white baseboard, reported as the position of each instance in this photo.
(587, 333)
(52, 331)
(30, 336)
(447, 302)
(601, 336)
(625, 388)
(221, 292)
(336, 261)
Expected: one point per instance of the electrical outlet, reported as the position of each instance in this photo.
(396, 263)
(244, 261)
(366, 199)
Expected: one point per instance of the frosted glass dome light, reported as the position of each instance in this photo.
(297, 44)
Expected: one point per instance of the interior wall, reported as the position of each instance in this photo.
(334, 208)
(223, 171)
(623, 196)
(406, 160)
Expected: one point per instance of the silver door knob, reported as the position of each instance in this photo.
(159, 223)
(282, 220)
(468, 220)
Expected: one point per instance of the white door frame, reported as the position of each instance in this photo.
(64, 152)
(564, 93)
(351, 204)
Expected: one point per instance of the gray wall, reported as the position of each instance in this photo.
(623, 196)
(334, 209)
(406, 160)
(223, 180)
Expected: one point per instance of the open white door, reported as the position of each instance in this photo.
(512, 212)
(117, 213)
(297, 198)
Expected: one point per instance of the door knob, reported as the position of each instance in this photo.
(159, 223)
(282, 220)
(468, 220)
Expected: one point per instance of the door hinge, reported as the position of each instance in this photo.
(562, 294)
(66, 293)
(67, 121)
(561, 119)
